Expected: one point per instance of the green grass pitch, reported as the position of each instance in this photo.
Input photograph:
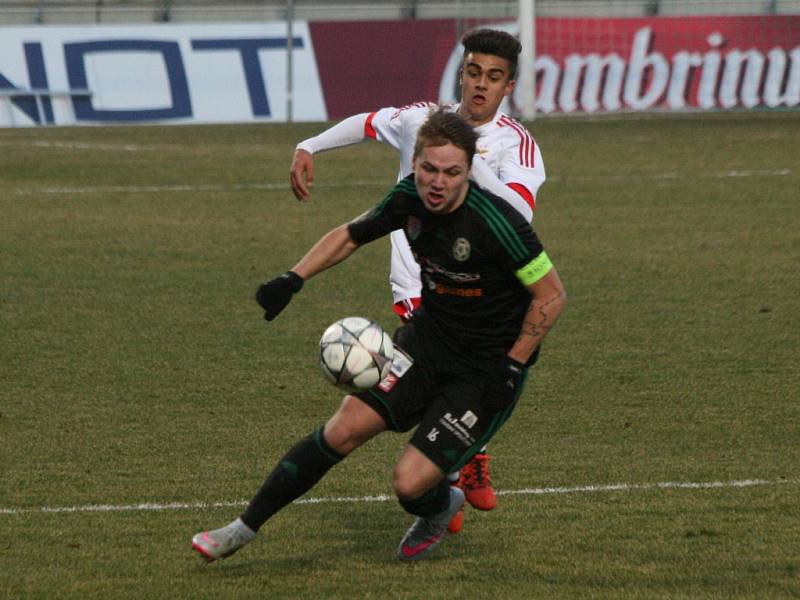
(137, 374)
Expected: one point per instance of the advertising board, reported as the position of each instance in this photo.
(156, 73)
(233, 73)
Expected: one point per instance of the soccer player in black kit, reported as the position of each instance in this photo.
(490, 295)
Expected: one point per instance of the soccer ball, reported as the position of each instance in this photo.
(355, 353)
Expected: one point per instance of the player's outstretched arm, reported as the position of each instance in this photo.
(301, 174)
(331, 249)
(345, 133)
(274, 295)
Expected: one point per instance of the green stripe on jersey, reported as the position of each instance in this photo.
(403, 186)
(534, 270)
(499, 225)
(504, 231)
(409, 187)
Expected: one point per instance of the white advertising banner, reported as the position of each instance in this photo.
(156, 74)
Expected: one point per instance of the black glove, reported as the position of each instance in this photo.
(503, 386)
(274, 295)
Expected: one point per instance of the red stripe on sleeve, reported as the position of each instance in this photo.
(369, 130)
(527, 146)
(525, 193)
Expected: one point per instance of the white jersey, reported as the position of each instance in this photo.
(507, 163)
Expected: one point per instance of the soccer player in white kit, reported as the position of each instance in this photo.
(508, 163)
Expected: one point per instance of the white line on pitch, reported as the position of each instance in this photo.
(156, 189)
(238, 187)
(620, 487)
(81, 146)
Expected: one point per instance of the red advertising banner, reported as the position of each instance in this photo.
(582, 64)
(365, 65)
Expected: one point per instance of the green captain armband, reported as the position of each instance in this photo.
(534, 270)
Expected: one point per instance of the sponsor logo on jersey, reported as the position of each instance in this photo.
(447, 290)
(431, 267)
(461, 249)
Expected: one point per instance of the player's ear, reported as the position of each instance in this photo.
(510, 87)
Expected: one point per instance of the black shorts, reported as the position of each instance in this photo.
(441, 391)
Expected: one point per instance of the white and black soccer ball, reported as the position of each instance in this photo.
(355, 353)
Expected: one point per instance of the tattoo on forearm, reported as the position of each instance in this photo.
(537, 327)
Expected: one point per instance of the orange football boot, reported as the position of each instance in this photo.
(477, 484)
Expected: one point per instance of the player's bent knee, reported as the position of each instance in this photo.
(408, 488)
(414, 474)
(409, 483)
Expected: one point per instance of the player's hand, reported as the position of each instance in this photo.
(504, 385)
(301, 174)
(274, 295)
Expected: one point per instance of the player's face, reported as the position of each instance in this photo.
(442, 177)
(485, 81)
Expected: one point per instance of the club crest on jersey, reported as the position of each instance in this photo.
(461, 249)
(413, 227)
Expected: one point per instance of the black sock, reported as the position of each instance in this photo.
(296, 473)
(431, 502)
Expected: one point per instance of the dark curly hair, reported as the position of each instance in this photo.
(494, 42)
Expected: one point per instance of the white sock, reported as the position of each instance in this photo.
(239, 526)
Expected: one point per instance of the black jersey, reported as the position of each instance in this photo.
(472, 261)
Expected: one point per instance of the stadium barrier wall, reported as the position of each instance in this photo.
(237, 72)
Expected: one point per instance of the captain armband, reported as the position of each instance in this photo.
(534, 270)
